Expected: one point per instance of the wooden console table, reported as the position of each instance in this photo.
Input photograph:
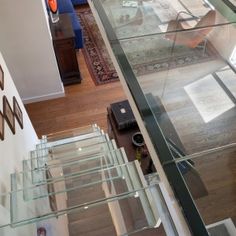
(123, 138)
(64, 46)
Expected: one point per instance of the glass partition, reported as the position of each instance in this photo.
(178, 59)
(211, 181)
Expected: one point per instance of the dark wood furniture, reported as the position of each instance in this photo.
(123, 138)
(64, 46)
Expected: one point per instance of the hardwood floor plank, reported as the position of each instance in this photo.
(82, 105)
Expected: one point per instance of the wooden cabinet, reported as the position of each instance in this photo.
(123, 139)
(64, 46)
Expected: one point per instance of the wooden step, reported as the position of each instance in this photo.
(92, 224)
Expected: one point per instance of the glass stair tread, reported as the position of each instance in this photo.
(80, 153)
(74, 173)
(71, 132)
(87, 223)
(61, 149)
(31, 176)
(60, 175)
(46, 212)
(44, 143)
(127, 190)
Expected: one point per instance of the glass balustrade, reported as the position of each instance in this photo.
(177, 59)
(211, 181)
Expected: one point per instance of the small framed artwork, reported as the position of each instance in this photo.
(17, 112)
(1, 78)
(1, 126)
(8, 114)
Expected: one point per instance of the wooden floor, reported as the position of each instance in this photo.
(82, 105)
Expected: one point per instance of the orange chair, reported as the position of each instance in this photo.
(190, 37)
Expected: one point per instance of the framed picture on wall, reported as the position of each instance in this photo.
(1, 126)
(8, 114)
(1, 78)
(17, 112)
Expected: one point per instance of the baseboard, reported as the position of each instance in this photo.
(44, 97)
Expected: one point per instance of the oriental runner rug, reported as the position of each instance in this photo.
(96, 55)
(156, 55)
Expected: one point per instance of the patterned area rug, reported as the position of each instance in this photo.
(98, 60)
(158, 54)
(155, 55)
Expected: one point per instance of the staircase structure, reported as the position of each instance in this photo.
(81, 174)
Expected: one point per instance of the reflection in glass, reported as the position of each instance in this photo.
(173, 56)
(232, 58)
(217, 172)
(209, 98)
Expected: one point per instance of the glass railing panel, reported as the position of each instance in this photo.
(175, 66)
(192, 93)
(211, 181)
(171, 70)
(130, 19)
(71, 133)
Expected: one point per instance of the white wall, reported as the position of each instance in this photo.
(13, 149)
(26, 45)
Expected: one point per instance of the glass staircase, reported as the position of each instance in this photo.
(74, 172)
